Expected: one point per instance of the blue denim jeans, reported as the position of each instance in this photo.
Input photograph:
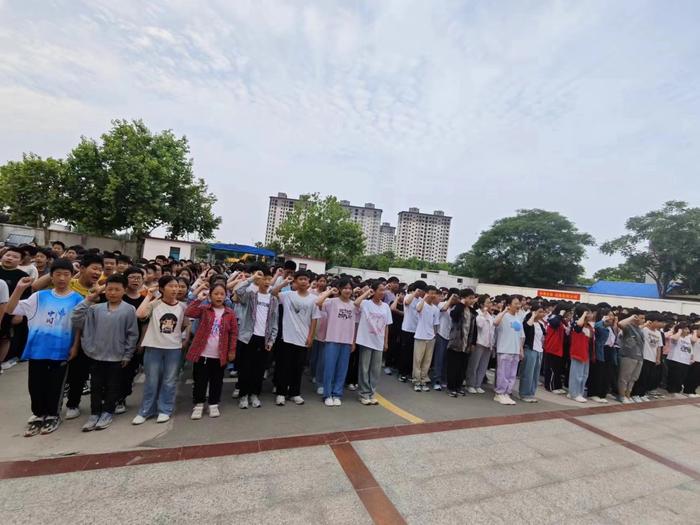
(439, 369)
(336, 357)
(316, 367)
(161, 366)
(578, 374)
(530, 373)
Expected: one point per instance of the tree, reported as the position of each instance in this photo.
(31, 191)
(462, 265)
(665, 245)
(621, 272)
(321, 229)
(533, 248)
(137, 180)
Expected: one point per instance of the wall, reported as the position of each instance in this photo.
(153, 247)
(70, 238)
(313, 265)
(436, 278)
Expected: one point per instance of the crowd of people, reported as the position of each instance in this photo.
(88, 321)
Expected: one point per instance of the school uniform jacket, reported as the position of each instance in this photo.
(228, 334)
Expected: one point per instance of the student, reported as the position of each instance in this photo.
(49, 344)
(408, 328)
(463, 334)
(109, 266)
(133, 296)
(72, 252)
(11, 274)
(153, 274)
(509, 349)
(631, 355)
(298, 328)
(598, 383)
(424, 338)
(316, 360)
(340, 339)
(442, 337)
(692, 381)
(653, 345)
(26, 264)
(123, 263)
(163, 345)
(392, 290)
(42, 261)
(557, 331)
(58, 249)
(485, 339)
(213, 346)
(582, 351)
(534, 328)
(679, 359)
(109, 333)
(372, 339)
(257, 332)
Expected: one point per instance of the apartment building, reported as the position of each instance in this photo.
(423, 235)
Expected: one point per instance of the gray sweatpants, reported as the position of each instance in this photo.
(629, 373)
(369, 371)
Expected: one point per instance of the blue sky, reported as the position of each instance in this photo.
(589, 108)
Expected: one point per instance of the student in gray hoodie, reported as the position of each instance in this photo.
(109, 336)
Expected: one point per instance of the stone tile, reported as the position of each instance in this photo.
(642, 512)
(509, 452)
(472, 513)
(578, 464)
(683, 499)
(510, 478)
(525, 506)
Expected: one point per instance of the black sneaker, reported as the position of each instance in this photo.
(403, 379)
(86, 388)
(50, 425)
(461, 392)
(33, 427)
(452, 393)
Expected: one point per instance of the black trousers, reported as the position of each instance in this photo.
(597, 379)
(45, 381)
(677, 373)
(128, 374)
(456, 363)
(78, 373)
(290, 362)
(391, 356)
(207, 371)
(352, 376)
(553, 368)
(105, 383)
(612, 368)
(406, 356)
(251, 358)
(646, 379)
(692, 380)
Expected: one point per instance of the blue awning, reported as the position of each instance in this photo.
(241, 248)
(626, 289)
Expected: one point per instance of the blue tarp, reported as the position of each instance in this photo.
(241, 248)
(626, 289)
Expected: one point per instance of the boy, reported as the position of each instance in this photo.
(49, 345)
(109, 266)
(408, 328)
(123, 263)
(631, 355)
(134, 297)
(58, 249)
(424, 338)
(461, 340)
(42, 261)
(109, 334)
(11, 274)
(653, 343)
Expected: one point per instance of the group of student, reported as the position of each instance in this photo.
(88, 321)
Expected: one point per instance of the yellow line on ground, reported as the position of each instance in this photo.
(391, 407)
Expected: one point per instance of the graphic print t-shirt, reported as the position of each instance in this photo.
(509, 334)
(652, 342)
(681, 350)
(48, 318)
(262, 311)
(298, 312)
(374, 319)
(341, 321)
(165, 326)
(212, 348)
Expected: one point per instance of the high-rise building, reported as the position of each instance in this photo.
(368, 217)
(387, 238)
(423, 235)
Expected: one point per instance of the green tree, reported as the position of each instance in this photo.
(321, 229)
(664, 244)
(621, 272)
(31, 191)
(533, 248)
(137, 180)
(462, 265)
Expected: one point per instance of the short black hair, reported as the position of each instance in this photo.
(420, 285)
(131, 270)
(467, 292)
(290, 265)
(91, 258)
(61, 264)
(47, 252)
(76, 248)
(392, 279)
(432, 288)
(301, 273)
(16, 249)
(123, 258)
(108, 255)
(117, 278)
(60, 243)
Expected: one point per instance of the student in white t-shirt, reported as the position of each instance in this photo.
(408, 328)
(428, 315)
(693, 378)
(653, 343)
(678, 360)
(372, 339)
(442, 338)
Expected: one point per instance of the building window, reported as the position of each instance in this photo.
(424, 276)
(174, 253)
(302, 266)
(459, 280)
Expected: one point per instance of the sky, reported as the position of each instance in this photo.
(478, 108)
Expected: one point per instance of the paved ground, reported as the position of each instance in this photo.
(553, 462)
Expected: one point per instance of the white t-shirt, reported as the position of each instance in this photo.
(261, 311)
(410, 316)
(4, 292)
(374, 318)
(652, 342)
(297, 315)
(696, 352)
(30, 270)
(428, 318)
(681, 350)
(509, 334)
(538, 337)
(165, 326)
(445, 321)
(212, 347)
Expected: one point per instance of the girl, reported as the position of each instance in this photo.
(678, 359)
(693, 378)
(582, 348)
(183, 289)
(534, 328)
(213, 346)
(557, 330)
(372, 339)
(480, 356)
(340, 337)
(163, 344)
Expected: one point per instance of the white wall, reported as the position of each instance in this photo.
(437, 278)
(154, 247)
(313, 265)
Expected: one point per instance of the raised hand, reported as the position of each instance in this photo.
(95, 292)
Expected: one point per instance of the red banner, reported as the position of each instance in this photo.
(554, 294)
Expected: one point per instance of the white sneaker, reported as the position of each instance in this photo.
(328, 401)
(197, 411)
(72, 413)
(365, 401)
(236, 393)
(255, 401)
(352, 387)
(598, 399)
(480, 390)
(626, 401)
(298, 400)
(581, 399)
(162, 418)
(337, 402)
(471, 390)
(646, 398)
(693, 395)
(373, 401)
(279, 401)
(529, 399)
(243, 402)
(501, 399)
(559, 391)
(636, 399)
(138, 420)
(120, 408)
(214, 411)
(387, 370)
(509, 400)
(319, 391)
(677, 395)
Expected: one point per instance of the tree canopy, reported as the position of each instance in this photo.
(621, 272)
(663, 244)
(383, 261)
(533, 248)
(320, 229)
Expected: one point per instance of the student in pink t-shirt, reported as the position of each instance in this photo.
(340, 314)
